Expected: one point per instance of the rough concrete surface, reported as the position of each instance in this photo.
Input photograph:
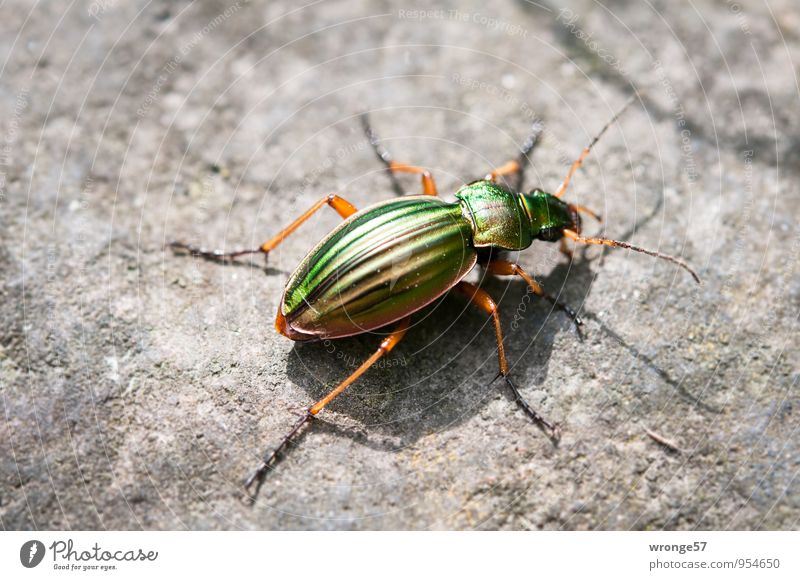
(140, 387)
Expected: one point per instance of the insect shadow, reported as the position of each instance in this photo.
(441, 373)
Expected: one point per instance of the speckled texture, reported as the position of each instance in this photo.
(139, 388)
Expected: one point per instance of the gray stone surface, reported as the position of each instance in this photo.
(139, 388)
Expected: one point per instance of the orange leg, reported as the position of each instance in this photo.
(482, 300)
(564, 248)
(589, 212)
(579, 161)
(387, 344)
(508, 168)
(506, 268)
(428, 184)
(343, 207)
(517, 166)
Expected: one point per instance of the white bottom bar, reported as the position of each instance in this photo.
(354, 555)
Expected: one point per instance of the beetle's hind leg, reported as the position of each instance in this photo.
(518, 164)
(387, 344)
(343, 207)
(482, 300)
(428, 183)
(506, 268)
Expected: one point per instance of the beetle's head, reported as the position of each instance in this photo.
(552, 219)
(550, 216)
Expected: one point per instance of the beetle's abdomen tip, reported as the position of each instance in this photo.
(286, 330)
(280, 323)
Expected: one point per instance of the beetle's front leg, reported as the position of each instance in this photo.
(506, 268)
(482, 300)
(343, 207)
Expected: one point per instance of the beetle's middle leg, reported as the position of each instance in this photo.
(343, 207)
(482, 300)
(428, 183)
(387, 344)
(506, 268)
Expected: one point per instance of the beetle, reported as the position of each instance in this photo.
(386, 262)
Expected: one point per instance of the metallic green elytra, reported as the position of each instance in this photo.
(396, 257)
(379, 265)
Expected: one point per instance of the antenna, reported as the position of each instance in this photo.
(615, 243)
(579, 161)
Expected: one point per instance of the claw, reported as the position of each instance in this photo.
(272, 456)
(552, 430)
(213, 255)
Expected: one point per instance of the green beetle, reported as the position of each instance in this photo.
(393, 258)
(397, 256)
